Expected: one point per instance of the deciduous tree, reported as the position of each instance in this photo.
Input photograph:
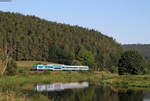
(131, 62)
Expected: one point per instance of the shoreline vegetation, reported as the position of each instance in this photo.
(129, 82)
(11, 89)
(104, 78)
(25, 75)
(50, 76)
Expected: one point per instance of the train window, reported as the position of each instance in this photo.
(48, 67)
(40, 66)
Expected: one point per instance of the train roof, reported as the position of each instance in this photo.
(59, 65)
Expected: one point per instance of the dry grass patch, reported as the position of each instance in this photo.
(31, 63)
(11, 96)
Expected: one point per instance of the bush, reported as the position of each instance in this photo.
(86, 58)
(147, 66)
(131, 62)
(113, 69)
(11, 67)
(76, 62)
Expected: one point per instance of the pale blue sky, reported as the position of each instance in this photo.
(128, 21)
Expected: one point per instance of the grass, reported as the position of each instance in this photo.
(12, 96)
(27, 76)
(129, 81)
(52, 77)
(11, 86)
(31, 63)
(28, 65)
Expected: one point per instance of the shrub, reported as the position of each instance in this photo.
(147, 66)
(131, 62)
(113, 69)
(86, 57)
(76, 62)
(11, 67)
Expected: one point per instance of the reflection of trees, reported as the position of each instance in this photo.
(106, 94)
(94, 94)
(88, 94)
(73, 95)
(131, 96)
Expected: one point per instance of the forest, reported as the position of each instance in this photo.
(29, 38)
(143, 49)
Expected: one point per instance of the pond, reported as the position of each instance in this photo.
(81, 91)
(85, 91)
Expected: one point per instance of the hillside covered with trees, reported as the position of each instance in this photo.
(30, 38)
(143, 49)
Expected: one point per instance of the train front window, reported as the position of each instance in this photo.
(40, 66)
(34, 67)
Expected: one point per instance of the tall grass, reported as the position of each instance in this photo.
(13, 96)
(50, 77)
(129, 81)
(31, 63)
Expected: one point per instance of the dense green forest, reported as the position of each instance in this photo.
(31, 38)
(143, 49)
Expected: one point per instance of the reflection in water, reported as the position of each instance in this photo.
(131, 95)
(146, 96)
(89, 92)
(60, 86)
(85, 92)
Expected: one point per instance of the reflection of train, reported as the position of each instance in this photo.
(60, 86)
(146, 95)
(54, 67)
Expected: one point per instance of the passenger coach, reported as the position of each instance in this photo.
(54, 67)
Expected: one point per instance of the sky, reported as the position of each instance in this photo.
(127, 21)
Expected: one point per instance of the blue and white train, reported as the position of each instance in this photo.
(58, 67)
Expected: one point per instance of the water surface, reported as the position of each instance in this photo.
(85, 91)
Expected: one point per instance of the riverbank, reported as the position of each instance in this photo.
(105, 78)
(47, 77)
(15, 87)
(129, 82)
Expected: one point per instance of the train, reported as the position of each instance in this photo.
(59, 67)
